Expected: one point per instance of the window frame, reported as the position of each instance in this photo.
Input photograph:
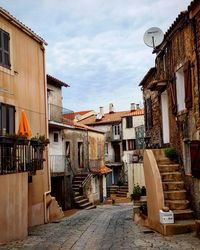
(131, 144)
(5, 49)
(8, 111)
(129, 122)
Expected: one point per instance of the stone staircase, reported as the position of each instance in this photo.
(123, 190)
(175, 197)
(80, 200)
(119, 191)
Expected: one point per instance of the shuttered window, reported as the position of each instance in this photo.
(129, 122)
(148, 113)
(4, 49)
(188, 85)
(195, 158)
(173, 95)
(131, 144)
(7, 119)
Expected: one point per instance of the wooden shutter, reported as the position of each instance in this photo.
(195, 158)
(149, 116)
(4, 48)
(188, 85)
(173, 95)
(7, 118)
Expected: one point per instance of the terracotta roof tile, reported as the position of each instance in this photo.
(114, 117)
(135, 113)
(101, 170)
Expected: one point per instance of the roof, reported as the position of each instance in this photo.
(22, 26)
(181, 18)
(101, 170)
(193, 4)
(73, 115)
(136, 112)
(85, 127)
(114, 117)
(150, 73)
(54, 81)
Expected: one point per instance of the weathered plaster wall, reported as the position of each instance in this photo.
(14, 206)
(25, 88)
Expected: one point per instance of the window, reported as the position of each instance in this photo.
(131, 144)
(98, 151)
(129, 122)
(55, 137)
(4, 49)
(80, 154)
(148, 114)
(7, 119)
(106, 149)
(116, 130)
(67, 143)
(124, 145)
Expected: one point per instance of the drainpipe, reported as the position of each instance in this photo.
(46, 201)
(197, 58)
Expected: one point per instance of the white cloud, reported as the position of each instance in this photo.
(97, 45)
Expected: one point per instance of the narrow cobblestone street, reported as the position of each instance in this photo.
(107, 227)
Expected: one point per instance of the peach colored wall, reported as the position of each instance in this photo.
(14, 206)
(24, 86)
(155, 198)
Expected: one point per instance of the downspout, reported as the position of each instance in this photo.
(197, 58)
(46, 202)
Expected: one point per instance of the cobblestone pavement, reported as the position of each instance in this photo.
(107, 227)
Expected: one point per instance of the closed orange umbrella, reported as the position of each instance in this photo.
(24, 128)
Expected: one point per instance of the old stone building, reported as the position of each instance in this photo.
(171, 93)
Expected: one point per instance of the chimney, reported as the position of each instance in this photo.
(101, 111)
(133, 106)
(137, 106)
(111, 108)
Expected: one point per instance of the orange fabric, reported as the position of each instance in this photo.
(24, 128)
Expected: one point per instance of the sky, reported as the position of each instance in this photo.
(96, 46)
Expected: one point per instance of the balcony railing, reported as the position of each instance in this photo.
(60, 164)
(20, 156)
(60, 114)
(111, 136)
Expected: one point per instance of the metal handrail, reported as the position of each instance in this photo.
(86, 180)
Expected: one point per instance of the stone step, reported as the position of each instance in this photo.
(183, 214)
(75, 189)
(81, 175)
(164, 160)
(77, 182)
(171, 176)
(175, 195)
(177, 185)
(177, 204)
(163, 168)
(90, 207)
(121, 195)
(78, 197)
(76, 194)
(85, 205)
(179, 227)
(82, 202)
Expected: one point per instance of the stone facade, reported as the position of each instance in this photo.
(174, 85)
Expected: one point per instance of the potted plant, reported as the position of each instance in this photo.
(137, 192)
(171, 154)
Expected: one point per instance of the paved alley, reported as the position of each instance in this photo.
(107, 227)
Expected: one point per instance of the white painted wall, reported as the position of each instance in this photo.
(129, 133)
(135, 176)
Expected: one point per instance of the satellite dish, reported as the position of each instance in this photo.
(153, 37)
